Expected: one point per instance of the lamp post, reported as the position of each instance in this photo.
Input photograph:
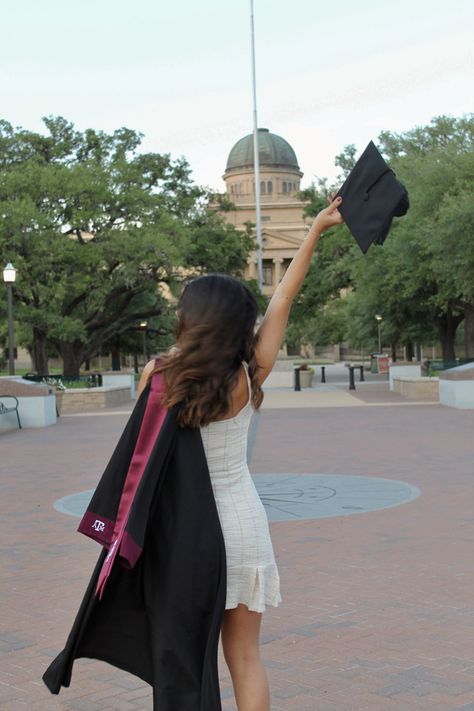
(9, 276)
(256, 158)
(379, 320)
(143, 326)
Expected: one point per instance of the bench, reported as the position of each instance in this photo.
(352, 367)
(4, 409)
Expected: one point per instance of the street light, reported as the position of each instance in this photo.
(379, 320)
(143, 326)
(9, 276)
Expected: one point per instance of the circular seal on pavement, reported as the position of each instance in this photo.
(299, 497)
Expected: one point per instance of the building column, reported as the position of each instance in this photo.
(277, 261)
(252, 264)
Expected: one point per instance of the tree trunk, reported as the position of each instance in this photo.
(469, 331)
(39, 354)
(447, 325)
(409, 351)
(115, 358)
(72, 354)
(394, 352)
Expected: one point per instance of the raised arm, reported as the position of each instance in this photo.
(272, 328)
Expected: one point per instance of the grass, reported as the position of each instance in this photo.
(24, 371)
(312, 361)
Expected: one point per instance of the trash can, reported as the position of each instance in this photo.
(373, 363)
(382, 363)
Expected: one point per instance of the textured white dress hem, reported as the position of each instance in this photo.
(254, 586)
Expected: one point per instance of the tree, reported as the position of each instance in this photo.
(437, 163)
(317, 316)
(421, 279)
(100, 235)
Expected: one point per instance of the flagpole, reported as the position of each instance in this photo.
(256, 159)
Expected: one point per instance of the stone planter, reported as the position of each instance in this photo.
(403, 370)
(456, 387)
(88, 399)
(422, 388)
(306, 378)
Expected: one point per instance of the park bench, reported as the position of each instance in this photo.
(5, 409)
(352, 367)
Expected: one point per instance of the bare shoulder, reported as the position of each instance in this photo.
(150, 366)
(146, 372)
(240, 392)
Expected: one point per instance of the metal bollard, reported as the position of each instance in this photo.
(296, 373)
(323, 373)
(351, 378)
(362, 379)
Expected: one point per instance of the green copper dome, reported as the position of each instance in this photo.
(273, 152)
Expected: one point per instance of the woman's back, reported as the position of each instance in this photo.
(225, 442)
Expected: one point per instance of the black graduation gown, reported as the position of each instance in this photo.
(159, 619)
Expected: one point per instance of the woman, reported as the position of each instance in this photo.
(215, 372)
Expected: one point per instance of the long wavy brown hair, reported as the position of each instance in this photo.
(215, 332)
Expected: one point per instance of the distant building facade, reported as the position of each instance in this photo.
(283, 225)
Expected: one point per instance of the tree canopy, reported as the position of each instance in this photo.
(421, 280)
(101, 234)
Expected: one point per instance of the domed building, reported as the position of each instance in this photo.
(283, 225)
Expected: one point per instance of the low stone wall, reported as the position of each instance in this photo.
(36, 403)
(86, 399)
(116, 379)
(456, 387)
(402, 370)
(281, 375)
(426, 389)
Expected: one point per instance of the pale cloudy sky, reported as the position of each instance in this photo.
(180, 72)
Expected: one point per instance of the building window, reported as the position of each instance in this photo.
(267, 272)
(284, 186)
(269, 187)
(262, 187)
(266, 218)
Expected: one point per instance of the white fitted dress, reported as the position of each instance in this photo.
(252, 573)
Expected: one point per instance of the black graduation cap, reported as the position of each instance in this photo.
(371, 197)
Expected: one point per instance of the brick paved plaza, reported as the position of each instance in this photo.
(378, 607)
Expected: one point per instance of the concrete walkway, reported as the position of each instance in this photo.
(378, 607)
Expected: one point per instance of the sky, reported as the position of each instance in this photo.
(180, 73)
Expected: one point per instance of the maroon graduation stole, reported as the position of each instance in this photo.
(121, 543)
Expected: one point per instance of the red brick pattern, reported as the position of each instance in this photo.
(378, 609)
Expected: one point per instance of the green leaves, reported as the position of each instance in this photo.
(422, 279)
(98, 231)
